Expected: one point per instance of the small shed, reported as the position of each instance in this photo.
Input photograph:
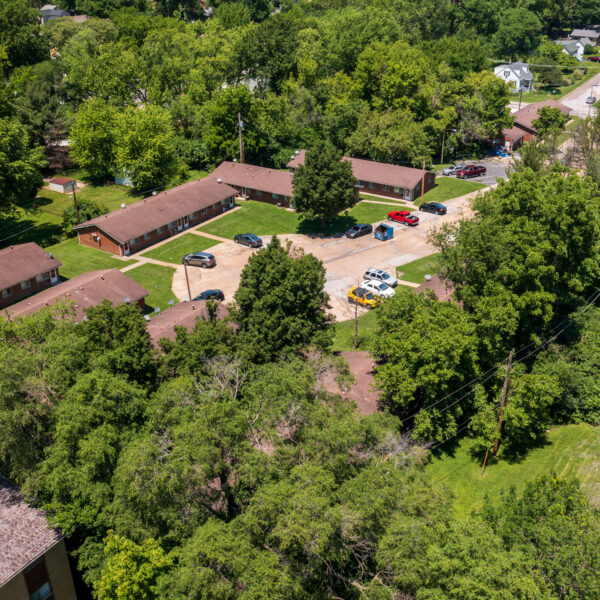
(64, 185)
(384, 232)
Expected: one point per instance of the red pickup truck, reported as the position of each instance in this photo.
(403, 216)
(471, 171)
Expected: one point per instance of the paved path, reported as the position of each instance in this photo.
(144, 260)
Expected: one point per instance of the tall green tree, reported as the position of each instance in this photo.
(19, 33)
(281, 303)
(324, 184)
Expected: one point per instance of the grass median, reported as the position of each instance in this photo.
(175, 250)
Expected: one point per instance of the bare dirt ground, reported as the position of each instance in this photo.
(345, 260)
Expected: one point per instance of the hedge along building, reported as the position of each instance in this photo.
(257, 183)
(141, 224)
(383, 179)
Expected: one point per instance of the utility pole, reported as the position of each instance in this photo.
(355, 326)
(240, 128)
(187, 280)
(443, 140)
(503, 402)
(520, 96)
(76, 205)
(423, 184)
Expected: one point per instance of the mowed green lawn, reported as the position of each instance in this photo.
(79, 259)
(573, 450)
(157, 280)
(416, 270)
(344, 332)
(175, 250)
(266, 219)
(447, 188)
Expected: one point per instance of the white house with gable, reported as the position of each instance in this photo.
(517, 74)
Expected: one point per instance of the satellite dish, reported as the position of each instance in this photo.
(154, 193)
(127, 300)
(122, 204)
(297, 151)
(427, 277)
(147, 317)
(184, 298)
(157, 309)
(293, 156)
(219, 180)
(235, 160)
(171, 302)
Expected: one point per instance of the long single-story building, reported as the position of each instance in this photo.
(33, 560)
(132, 228)
(184, 314)
(24, 270)
(523, 130)
(89, 289)
(256, 183)
(383, 179)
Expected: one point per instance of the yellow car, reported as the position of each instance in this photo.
(363, 297)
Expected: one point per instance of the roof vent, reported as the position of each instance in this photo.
(171, 302)
(157, 309)
(122, 204)
(147, 317)
(127, 300)
(102, 277)
(297, 152)
(427, 277)
(235, 160)
(219, 180)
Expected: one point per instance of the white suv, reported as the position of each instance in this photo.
(379, 288)
(380, 275)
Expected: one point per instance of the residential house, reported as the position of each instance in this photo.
(517, 75)
(383, 179)
(64, 185)
(184, 314)
(24, 270)
(573, 48)
(33, 561)
(51, 11)
(523, 129)
(141, 224)
(89, 289)
(592, 36)
(258, 183)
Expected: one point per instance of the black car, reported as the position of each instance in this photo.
(359, 230)
(211, 295)
(248, 239)
(433, 207)
(199, 259)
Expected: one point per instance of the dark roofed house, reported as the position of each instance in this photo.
(24, 270)
(141, 224)
(523, 129)
(384, 179)
(258, 183)
(590, 34)
(89, 289)
(50, 11)
(184, 314)
(33, 558)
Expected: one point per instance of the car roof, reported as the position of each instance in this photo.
(200, 254)
(437, 204)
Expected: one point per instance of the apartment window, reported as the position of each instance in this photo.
(286, 198)
(193, 216)
(6, 293)
(398, 190)
(386, 188)
(146, 236)
(172, 225)
(360, 183)
(38, 581)
(215, 206)
(275, 196)
(134, 242)
(258, 193)
(371, 185)
(160, 230)
(24, 284)
(204, 211)
(42, 277)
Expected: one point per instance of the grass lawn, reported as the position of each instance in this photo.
(545, 93)
(416, 270)
(571, 450)
(157, 280)
(174, 251)
(77, 259)
(381, 199)
(266, 219)
(447, 188)
(344, 332)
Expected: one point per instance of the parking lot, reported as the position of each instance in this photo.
(345, 260)
(495, 169)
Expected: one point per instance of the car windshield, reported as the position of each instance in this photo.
(385, 275)
(252, 237)
(383, 286)
(369, 296)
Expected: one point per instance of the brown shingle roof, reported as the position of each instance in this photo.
(18, 263)
(255, 178)
(150, 213)
(443, 290)
(184, 314)
(376, 172)
(89, 289)
(529, 113)
(24, 533)
(61, 180)
(514, 133)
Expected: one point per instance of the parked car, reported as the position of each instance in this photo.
(383, 290)
(211, 295)
(471, 171)
(452, 169)
(433, 207)
(374, 274)
(403, 216)
(363, 297)
(590, 100)
(248, 239)
(199, 259)
(594, 58)
(359, 230)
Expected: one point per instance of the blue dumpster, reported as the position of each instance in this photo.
(384, 232)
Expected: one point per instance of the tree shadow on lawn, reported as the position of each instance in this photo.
(15, 230)
(336, 228)
(512, 454)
